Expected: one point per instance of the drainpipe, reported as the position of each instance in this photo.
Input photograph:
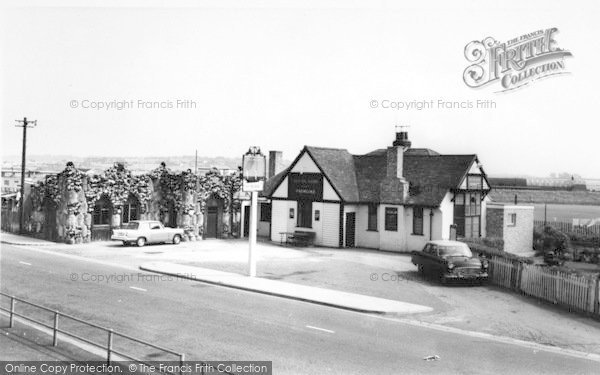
(430, 223)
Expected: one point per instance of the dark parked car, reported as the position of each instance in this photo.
(553, 258)
(450, 260)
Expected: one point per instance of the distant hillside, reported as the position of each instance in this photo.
(546, 196)
(57, 162)
(177, 163)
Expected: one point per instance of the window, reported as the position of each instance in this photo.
(102, 212)
(305, 214)
(372, 219)
(391, 218)
(131, 210)
(512, 220)
(265, 212)
(474, 182)
(317, 215)
(291, 213)
(418, 220)
(467, 212)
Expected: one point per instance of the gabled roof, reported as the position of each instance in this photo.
(357, 178)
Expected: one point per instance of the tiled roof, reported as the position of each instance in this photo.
(338, 166)
(357, 178)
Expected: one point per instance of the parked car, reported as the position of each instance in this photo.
(553, 258)
(141, 232)
(450, 260)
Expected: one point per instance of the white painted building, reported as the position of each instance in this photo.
(392, 199)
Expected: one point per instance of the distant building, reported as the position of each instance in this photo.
(11, 178)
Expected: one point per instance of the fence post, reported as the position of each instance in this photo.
(109, 346)
(55, 338)
(12, 311)
(597, 297)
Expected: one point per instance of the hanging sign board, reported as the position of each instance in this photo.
(253, 171)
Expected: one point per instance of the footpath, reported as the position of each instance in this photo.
(327, 297)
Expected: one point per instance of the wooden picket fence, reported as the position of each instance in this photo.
(503, 272)
(567, 227)
(575, 292)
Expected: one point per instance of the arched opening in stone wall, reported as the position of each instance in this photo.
(213, 222)
(131, 210)
(101, 218)
(169, 217)
(50, 229)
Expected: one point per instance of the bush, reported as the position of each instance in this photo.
(478, 246)
(551, 239)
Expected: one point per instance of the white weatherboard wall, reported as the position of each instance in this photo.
(392, 240)
(328, 227)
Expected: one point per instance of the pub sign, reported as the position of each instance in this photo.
(305, 186)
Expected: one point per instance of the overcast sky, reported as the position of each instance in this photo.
(282, 75)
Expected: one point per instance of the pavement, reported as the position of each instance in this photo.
(210, 322)
(327, 297)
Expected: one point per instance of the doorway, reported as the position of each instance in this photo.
(212, 215)
(350, 228)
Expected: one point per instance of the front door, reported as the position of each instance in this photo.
(211, 222)
(246, 221)
(350, 224)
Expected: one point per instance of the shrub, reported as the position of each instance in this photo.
(478, 246)
(551, 239)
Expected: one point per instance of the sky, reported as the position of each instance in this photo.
(281, 75)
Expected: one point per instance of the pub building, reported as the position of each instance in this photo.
(393, 199)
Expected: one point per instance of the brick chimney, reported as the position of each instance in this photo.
(275, 163)
(394, 187)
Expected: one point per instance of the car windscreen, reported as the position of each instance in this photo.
(132, 225)
(454, 251)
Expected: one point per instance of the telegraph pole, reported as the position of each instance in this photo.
(23, 124)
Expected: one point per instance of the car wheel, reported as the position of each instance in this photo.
(140, 241)
(420, 269)
(177, 239)
(125, 243)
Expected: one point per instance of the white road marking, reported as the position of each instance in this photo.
(140, 289)
(320, 329)
(25, 263)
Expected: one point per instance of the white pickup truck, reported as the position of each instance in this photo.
(141, 232)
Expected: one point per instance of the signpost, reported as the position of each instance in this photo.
(253, 178)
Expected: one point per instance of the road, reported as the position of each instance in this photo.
(215, 323)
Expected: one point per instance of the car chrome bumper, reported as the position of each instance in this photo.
(121, 238)
(467, 276)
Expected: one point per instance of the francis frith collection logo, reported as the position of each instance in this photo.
(514, 63)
